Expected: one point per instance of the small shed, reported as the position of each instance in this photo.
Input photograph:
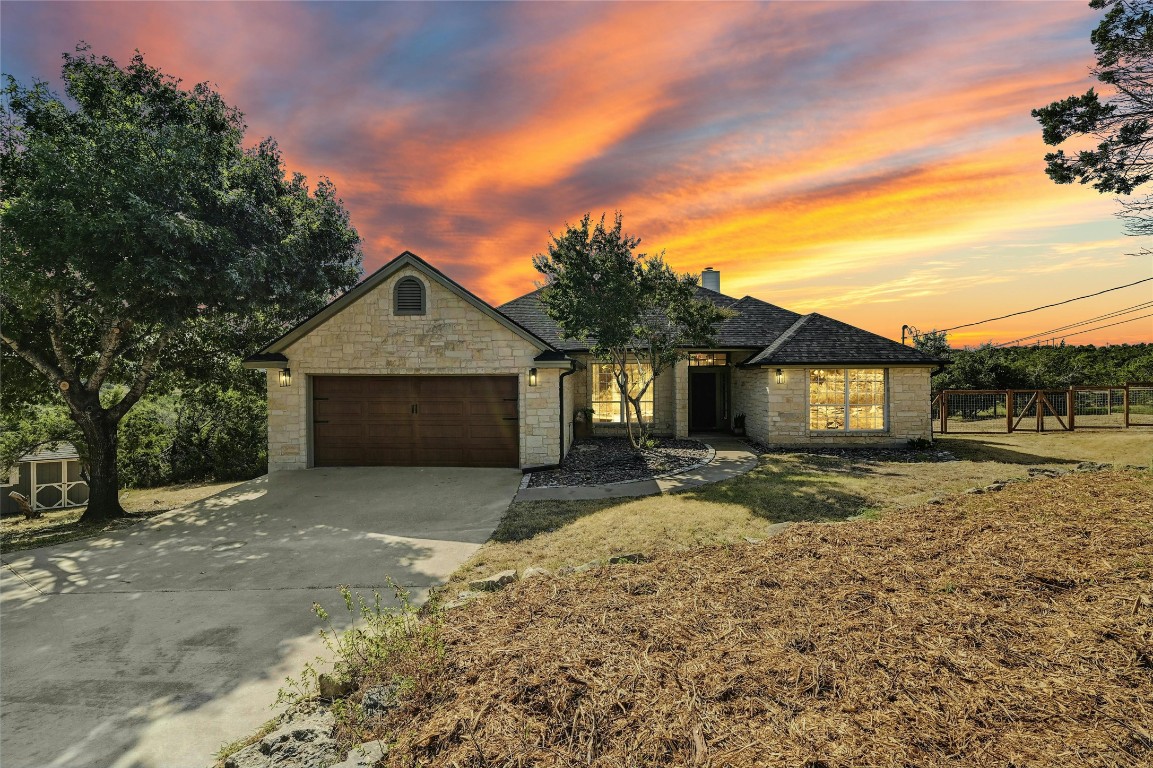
(48, 477)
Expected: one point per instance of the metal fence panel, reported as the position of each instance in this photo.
(1140, 405)
(986, 411)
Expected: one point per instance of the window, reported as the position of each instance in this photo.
(708, 358)
(607, 401)
(408, 297)
(847, 399)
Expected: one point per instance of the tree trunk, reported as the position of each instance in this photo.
(104, 480)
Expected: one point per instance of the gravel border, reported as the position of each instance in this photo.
(604, 460)
(856, 453)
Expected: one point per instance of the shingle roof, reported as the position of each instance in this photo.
(784, 337)
(52, 452)
(816, 339)
(528, 312)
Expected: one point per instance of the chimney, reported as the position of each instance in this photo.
(711, 279)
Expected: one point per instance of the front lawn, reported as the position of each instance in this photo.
(785, 487)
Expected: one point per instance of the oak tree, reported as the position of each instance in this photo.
(139, 231)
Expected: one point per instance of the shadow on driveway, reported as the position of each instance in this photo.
(152, 646)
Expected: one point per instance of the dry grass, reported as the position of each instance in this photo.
(1008, 629)
(783, 488)
(1129, 446)
(59, 526)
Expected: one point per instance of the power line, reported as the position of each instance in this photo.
(1106, 316)
(1088, 330)
(1047, 306)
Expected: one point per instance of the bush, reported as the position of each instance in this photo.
(143, 443)
(206, 434)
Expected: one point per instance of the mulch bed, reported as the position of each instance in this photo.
(858, 454)
(612, 460)
(1011, 629)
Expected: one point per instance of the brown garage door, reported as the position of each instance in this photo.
(415, 421)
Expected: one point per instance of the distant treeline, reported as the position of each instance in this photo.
(987, 367)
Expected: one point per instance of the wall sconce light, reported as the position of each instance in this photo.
(285, 377)
(780, 375)
(532, 377)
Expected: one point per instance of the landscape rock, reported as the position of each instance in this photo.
(777, 528)
(565, 570)
(379, 698)
(628, 557)
(494, 583)
(462, 598)
(975, 490)
(590, 565)
(1044, 472)
(994, 487)
(302, 741)
(332, 688)
(535, 572)
(751, 540)
(1091, 466)
(366, 755)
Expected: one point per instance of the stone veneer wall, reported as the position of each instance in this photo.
(454, 337)
(777, 414)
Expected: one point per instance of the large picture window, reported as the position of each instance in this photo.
(607, 401)
(847, 399)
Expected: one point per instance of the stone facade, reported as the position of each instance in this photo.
(777, 414)
(452, 337)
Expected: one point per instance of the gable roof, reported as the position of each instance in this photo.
(363, 288)
(782, 336)
(818, 340)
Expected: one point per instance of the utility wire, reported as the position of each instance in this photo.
(1047, 306)
(1106, 316)
(1087, 330)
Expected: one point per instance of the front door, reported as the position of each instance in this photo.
(702, 401)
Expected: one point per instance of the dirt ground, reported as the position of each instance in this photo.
(58, 526)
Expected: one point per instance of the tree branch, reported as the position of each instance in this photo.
(108, 346)
(143, 377)
(53, 373)
(67, 365)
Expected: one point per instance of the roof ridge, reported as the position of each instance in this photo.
(770, 350)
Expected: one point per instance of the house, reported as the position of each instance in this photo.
(410, 368)
(48, 477)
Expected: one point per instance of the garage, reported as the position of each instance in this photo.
(415, 421)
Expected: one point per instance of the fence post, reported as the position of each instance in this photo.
(944, 411)
(1125, 405)
(1070, 406)
(1008, 411)
(1040, 402)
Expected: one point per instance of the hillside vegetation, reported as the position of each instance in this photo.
(1011, 628)
(988, 367)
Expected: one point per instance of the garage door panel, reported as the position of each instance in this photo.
(415, 421)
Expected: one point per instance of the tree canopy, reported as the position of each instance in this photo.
(1120, 123)
(631, 308)
(143, 239)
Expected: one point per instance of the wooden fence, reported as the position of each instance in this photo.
(976, 411)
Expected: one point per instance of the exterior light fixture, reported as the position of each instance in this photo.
(780, 375)
(532, 377)
(285, 377)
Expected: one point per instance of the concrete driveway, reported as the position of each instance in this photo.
(151, 647)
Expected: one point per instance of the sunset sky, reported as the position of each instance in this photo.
(875, 162)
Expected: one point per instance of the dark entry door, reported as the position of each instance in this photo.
(422, 421)
(702, 401)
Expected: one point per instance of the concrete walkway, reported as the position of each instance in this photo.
(152, 646)
(732, 458)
